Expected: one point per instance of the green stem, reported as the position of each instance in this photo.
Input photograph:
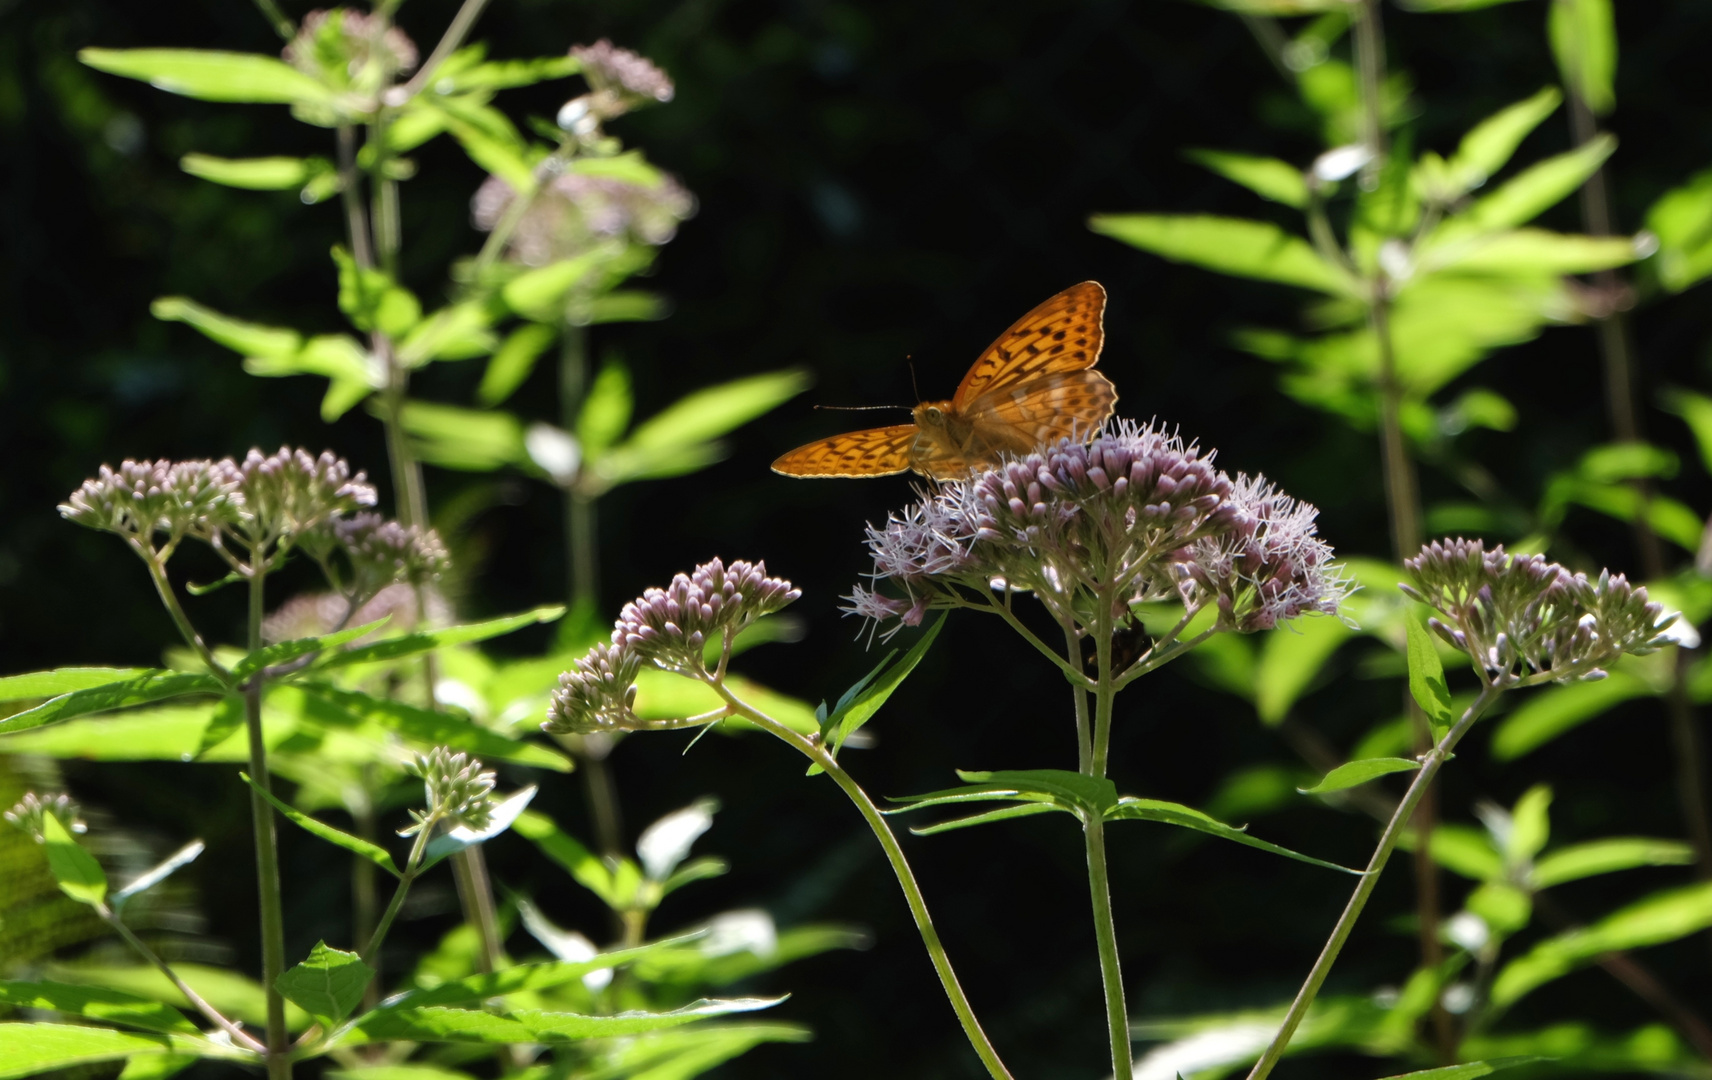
(363, 893)
(267, 851)
(412, 866)
(816, 752)
(276, 18)
(476, 891)
(1093, 831)
(238, 1034)
(1079, 697)
(583, 572)
(456, 31)
(1068, 666)
(163, 588)
(350, 194)
(1394, 829)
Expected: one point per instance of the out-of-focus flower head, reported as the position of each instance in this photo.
(140, 498)
(350, 50)
(457, 789)
(316, 614)
(27, 815)
(1135, 514)
(284, 495)
(381, 552)
(620, 80)
(574, 213)
(1520, 615)
(598, 694)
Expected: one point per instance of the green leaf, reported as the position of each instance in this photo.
(1291, 657)
(328, 984)
(256, 174)
(43, 684)
(472, 440)
(488, 139)
(1662, 917)
(606, 410)
(1535, 251)
(78, 874)
(1530, 826)
(1005, 813)
(1353, 773)
(850, 715)
(460, 331)
(250, 339)
(513, 361)
(1236, 246)
(1269, 178)
(233, 994)
(540, 294)
(1130, 808)
(437, 1024)
(426, 640)
(457, 839)
(1466, 851)
(373, 300)
(584, 866)
(1468, 1071)
(286, 651)
(507, 74)
(715, 410)
(1584, 43)
(426, 728)
(1694, 408)
(1552, 711)
(1608, 856)
(33, 1050)
(96, 1003)
(157, 685)
(625, 305)
(1535, 189)
(1092, 794)
(1426, 676)
(1682, 221)
(689, 1052)
(1490, 144)
(355, 844)
(211, 75)
(155, 1066)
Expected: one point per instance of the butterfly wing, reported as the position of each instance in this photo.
(1057, 405)
(1063, 334)
(874, 452)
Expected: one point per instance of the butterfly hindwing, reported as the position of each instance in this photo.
(1063, 334)
(873, 452)
(1047, 408)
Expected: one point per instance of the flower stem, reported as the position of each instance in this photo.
(1079, 697)
(1093, 832)
(163, 587)
(267, 850)
(456, 31)
(405, 880)
(1394, 829)
(238, 1034)
(816, 752)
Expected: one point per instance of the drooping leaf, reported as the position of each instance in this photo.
(96, 1003)
(328, 984)
(1427, 678)
(849, 717)
(1353, 773)
(1490, 144)
(1269, 178)
(34, 1050)
(1664, 916)
(354, 844)
(426, 640)
(1130, 808)
(211, 75)
(1606, 856)
(1236, 246)
(1583, 37)
(427, 728)
(75, 870)
(457, 839)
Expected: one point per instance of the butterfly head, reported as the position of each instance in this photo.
(931, 414)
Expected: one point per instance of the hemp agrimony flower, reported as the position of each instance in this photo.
(572, 213)
(142, 498)
(457, 789)
(350, 49)
(281, 496)
(597, 694)
(1519, 615)
(380, 552)
(621, 80)
(27, 815)
(1269, 567)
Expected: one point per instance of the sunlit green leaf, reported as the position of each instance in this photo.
(233, 994)
(75, 870)
(354, 844)
(584, 866)
(43, 684)
(1254, 249)
(1583, 37)
(1551, 712)
(850, 715)
(625, 305)
(507, 74)
(1353, 773)
(1092, 794)
(250, 339)
(1536, 251)
(513, 361)
(211, 75)
(988, 817)
(715, 410)
(606, 409)
(1694, 408)
(439, 1024)
(34, 1050)
(96, 1003)
(1536, 189)
(1607, 856)
(285, 651)
(1490, 144)
(1291, 658)
(455, 332)
(1468, 1071)
(1530, 825)
(256, 174)
(689, 1052)
(1682, 221)
(372, 299)
(1130, 808)
(1269, 178)
(1466, 851)
(427, 728)
(1427, 678)
(426, 640)
(328, 984)
(139, 689)
(478, 440)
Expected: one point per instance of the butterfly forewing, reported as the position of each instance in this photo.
(874, 452)
(1064, 404)
(1062, 334)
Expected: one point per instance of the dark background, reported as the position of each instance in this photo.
(876, 180)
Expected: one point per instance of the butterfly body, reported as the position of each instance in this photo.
(1034, 385)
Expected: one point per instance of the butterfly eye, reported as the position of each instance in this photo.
(933, 412)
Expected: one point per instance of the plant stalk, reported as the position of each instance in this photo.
(1394, 829)
(163, 587)
(1093, 832)
(238, 1034)
(267, 848)
(412, 866)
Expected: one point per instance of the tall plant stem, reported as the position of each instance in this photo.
(163, 587)
(1394, 829)
(1084, 739)
(583, 568)
(1093, 833)
(813, 749)
(363, 893)
(237, 1034)
(267, 850)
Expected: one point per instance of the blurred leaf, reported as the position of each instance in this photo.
(1291, 657)
(1269, 178)
(285, 651)
(1552, 711)
(1607, 856)
(354, 844)
(686, 1053)
(513, 361)
(140, 689)
(373, 300)
(630, 166)
(584, 866)
(425, 728)
(1664, 916)
(328, 984)
(1530, 825)
(1504, 908)
(75, 870)
(626, 464)
(1354, 773)
(606, 410)
(155, 1066)
(1694, 408)
(1473, 1068)
(1584, 43)
(439, 1024)
(1426, 676)
(488, 139)
(1130, 808)
(1276, 7)
(257, 174)
(425, 640)
(698, 869)
(1681, 219)
(1490, 144)
(1535, 251)
(517, 979)
(473, 440)
(42, 684)
(500, 819)
(1466, 851)
(96, 1003)
(250, 339)
(625, 305)
(1534, 190)
(158, 873)
(455, 332)
(233, 994)
(211, 75)
(164, 733)
(1236, 246)
(539, 294)
(715, 410)
(507, 74)
(34, 1050)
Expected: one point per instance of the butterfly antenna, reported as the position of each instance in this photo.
(913, 387)
(859, 408)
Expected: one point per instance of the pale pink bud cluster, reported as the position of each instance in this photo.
(1270, 566)
(628, 77)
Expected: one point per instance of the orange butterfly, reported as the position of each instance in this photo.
(1033, 385)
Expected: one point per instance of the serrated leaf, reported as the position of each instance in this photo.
(1236, 246)
(96, 1003)
(1353, 773)
(1130, 808)
(1426, 676)
(328, 984)
(211, 75)
(356, 845)
(158, 685)
(1607, 856)
(286, 651)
